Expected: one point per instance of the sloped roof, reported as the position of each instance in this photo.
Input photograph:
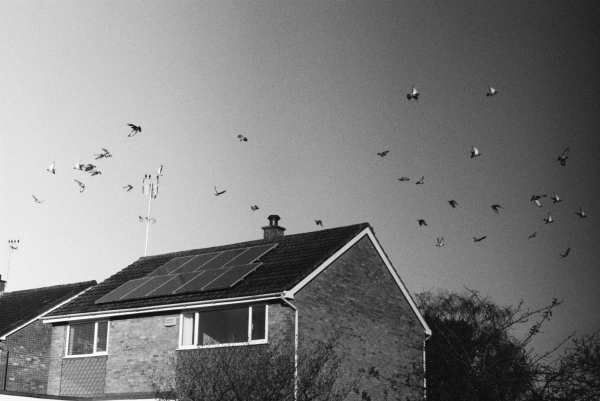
(19, 307)
(293, 259)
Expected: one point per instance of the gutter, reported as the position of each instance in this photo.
(283, 296)
(161, 308)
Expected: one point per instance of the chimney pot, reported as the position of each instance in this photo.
(273, 230)
(2, 285)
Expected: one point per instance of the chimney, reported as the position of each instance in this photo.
(2, 285)
(273, 230)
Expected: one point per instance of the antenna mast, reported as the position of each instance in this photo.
(13, 245)
(150, 189)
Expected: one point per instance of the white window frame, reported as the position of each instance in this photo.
(94, 352)
(197, 320)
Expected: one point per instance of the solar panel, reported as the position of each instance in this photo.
(147, 287)
(123, 290)
(197, 262)
(249, 255)
(222, 259)
(177, 280)
(196, 284)
(231, 277)
(171, 266)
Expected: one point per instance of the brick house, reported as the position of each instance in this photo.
(107, 342)
(24, 339)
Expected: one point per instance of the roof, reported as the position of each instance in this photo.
(20, 307)
(294, 258)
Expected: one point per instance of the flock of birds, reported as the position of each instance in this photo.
(414, 94)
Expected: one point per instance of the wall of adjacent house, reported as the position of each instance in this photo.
(28, 359)
(357, 297)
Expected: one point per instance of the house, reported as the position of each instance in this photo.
(107, 342)
(24, 339)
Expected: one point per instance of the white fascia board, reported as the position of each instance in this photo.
(162, 308)
(366, 232)
(43, 314)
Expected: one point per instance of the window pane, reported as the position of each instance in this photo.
(187, 329)
(81, 339)
(258, 322)
(102, 340)
(223, 326)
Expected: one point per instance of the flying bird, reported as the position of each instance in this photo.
(413, 95)
(254, 208)
(492, 92)
(475, 239)
(422, 222)
(51, 168)
(242, 138)
(496, 207)
(94, 172)
(555, 198)
(105, 154)
(319, 223)
(453, 203)
(536, 199)
(564, 255)
(36, 199)
(384, 153)
(421, 181)
(217, 193)
(549, 219)
(403, 179)
(563, 158)
(134, 129)
(88, 167)
(533, 235)
(129, 187)
(78, 166)
(440, 242)
(581, 213)
(81, 185)
(475, 152)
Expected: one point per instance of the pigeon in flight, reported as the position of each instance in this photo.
(242, 138)
(384, 153)
(217, 193)
(134, 129)
(496, 207)
(94, 172)
(78, 166)
(555, 198)
(413, 95)
(319, 223)
(533, 235)
(422, 222)
(36, 199)
(453, 203)
(563, 158)
(421, 181)
(475, 152)
(564, 255)
(475, 239)
(105, 154)
(51, 168)
(440, 242)
(81, 185)
(549, 219)
(492, 92)
(403, 179)
(129, 187)
(581, 213)
(536, 199)
(254, 208)
(88, 167)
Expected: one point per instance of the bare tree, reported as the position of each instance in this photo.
(272, 372)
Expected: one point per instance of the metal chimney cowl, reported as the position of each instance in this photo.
(273, 230)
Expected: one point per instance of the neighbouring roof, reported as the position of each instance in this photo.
(20, 307)
(293, 259)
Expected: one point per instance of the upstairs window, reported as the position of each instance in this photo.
(234, 326)
(85, 339)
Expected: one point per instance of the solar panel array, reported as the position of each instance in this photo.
(196, 273)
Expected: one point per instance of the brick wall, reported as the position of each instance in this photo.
(29, 359)
(59, 333)
(357, 296)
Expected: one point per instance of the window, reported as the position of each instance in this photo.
(87, 339)
(233, 326)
